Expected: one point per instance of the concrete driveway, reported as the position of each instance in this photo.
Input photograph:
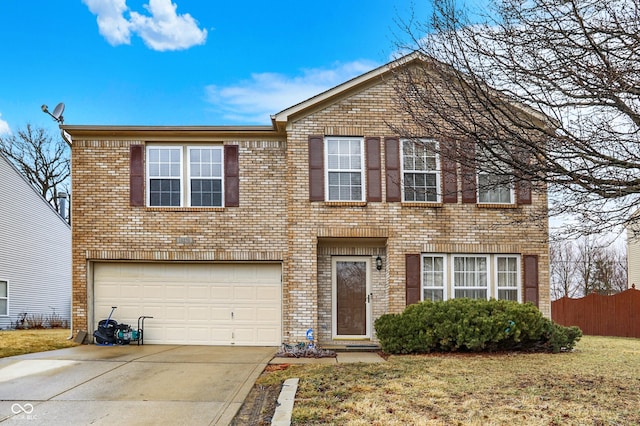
(129, 385)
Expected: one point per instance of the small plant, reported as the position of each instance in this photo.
(472, 326)
(55, 321)
(36, 320)
(21, 322)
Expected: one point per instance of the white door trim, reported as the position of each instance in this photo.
(334, 305)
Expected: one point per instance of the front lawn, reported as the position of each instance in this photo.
(596, 384)
(19, 342)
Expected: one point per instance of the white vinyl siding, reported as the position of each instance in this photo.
(420, 171)
(474, 276)
(35, 251)
(345, 169)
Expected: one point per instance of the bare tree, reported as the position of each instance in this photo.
(576, 62)
(562, 261)
(44, 161)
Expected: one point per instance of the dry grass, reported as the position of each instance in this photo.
(597, 384)
(19, 342)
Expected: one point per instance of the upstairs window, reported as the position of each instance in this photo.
(345, 169)
(203, 185)
(165, 176)
(494, 189)
(205, 177)
(421, 174)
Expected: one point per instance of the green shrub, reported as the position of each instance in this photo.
(472, 325)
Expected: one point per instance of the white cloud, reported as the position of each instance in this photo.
(4, 127)
(255, 100)
(111, 23)
(163, 30)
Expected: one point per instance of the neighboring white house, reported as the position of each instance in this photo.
(35, 252)
(633, 253)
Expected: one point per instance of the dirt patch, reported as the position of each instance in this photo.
(258, 407)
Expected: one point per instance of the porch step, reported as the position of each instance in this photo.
(352, 348)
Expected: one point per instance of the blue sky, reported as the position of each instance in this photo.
(185, 62)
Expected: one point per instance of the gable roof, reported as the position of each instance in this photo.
(281, 119)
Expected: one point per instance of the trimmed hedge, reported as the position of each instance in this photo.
(473, 326)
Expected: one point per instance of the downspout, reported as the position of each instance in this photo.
(67, 138)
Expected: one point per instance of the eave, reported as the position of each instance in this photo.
(173, 133)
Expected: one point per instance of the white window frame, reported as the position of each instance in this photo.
(488, 275)
(185, 173)
(517, 276)
(149, 177)
(6, 284)
(437, 171)
(492, 274)
(445, 280)
(190, 177)
(328, 170)
(480, 190)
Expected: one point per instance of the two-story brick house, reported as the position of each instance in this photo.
(251, 235)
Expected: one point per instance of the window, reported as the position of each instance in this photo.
(205, 177)
(507, 277)
(204, 170)
(345, 169)
(494, 189)
(472, 276)
(4, 298)
(421, 176)
(433, 278)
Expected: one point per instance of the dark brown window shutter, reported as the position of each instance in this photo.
(523, 192)
(530, 278)
(449, 174)
(374, 176)
(412, 277)
(136, 175)
(392, 164)
(231, 176)
(316, 168)
(468, 172)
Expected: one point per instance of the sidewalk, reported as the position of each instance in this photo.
(341, 358)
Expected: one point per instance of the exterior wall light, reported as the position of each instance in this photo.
(378, 263)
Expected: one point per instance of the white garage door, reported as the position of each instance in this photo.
(196, 304)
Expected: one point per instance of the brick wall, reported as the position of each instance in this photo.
(276, 221)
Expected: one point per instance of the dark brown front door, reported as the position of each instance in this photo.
(351, 298)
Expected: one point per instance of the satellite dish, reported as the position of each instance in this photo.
(57, 112)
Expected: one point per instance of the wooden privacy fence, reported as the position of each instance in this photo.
(595, 314)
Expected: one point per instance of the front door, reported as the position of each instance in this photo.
(351, 297)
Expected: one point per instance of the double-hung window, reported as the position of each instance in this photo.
(164, 165)
(4, 298)
(421, 174)
(494, 189)
(205, 177)
(434, 277)
(507, 277)
(345, 169)
(166, 171)
(471, 277)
